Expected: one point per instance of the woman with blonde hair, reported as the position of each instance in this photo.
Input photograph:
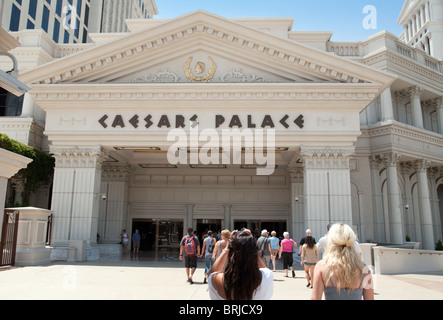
(221, 244)
(342, 275)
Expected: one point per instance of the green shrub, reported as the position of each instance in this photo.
(40, 170)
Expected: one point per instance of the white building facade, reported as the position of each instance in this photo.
(358, 131)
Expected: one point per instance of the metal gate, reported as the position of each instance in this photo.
(8, 241)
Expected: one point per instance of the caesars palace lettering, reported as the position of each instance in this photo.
(164, 121)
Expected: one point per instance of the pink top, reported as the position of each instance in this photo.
(287, 245)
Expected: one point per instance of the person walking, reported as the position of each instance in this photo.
(136, 241)
(221, 244)
(309, 259)
(342, 275)
(125, 240)
(286, 251)
(189, 248)
(321, 245)
(265, 246)
(239, 273)
(207, 251)
(275, 247)
(303, 240)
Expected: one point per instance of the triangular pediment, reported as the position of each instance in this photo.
(203, 47)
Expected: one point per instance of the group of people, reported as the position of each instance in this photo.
(237, 264)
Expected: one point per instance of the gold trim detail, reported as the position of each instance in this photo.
(206, 78)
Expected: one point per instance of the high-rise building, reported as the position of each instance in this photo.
(71, 21)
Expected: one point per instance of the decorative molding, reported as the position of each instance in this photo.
(422, 165)
(116, 173)
(163, 76)
(199, 69)
(375, 162)
(219, 91)
(390, 159)
(73, 122)
(327, 158)
(78, 157)
(237, 75)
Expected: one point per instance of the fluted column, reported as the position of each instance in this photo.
(296, 223)
(75, 199)
(113, 199)
(227, 217)
(417, 113)
(395, 218)
(377, 198)
(439, 105)
(425, 204)
(327, 188)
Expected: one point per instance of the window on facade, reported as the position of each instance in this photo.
(30, 25)
(15, 18)
(10, 105)
(86, 20)
(45, 18)
(32, 8)
(66, 37)
(56, 34)
(58, 8)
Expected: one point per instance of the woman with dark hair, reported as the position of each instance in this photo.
(239, 273)
(309, 259)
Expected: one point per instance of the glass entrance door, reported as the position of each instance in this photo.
(158, 234)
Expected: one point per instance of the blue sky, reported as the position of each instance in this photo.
(343, 17)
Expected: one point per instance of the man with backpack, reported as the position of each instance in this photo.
(190, 248)
(207, 250)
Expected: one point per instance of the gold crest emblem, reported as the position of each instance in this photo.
(199, 69)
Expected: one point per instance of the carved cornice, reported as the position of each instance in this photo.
(402, 130)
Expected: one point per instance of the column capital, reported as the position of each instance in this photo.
(406, 167)
(78, 157)
(422, 165)
(375, 161)
(391, 159)
(327, 158)
(414, 92)
(438, 102)
(116, 173)
(296, 172)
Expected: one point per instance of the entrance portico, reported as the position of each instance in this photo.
(111, 108)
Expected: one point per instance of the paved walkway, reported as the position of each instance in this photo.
(164, 278)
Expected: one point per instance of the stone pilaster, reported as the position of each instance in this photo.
(327, 188)
(296, 222)
(113, 201)
(75, 200)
